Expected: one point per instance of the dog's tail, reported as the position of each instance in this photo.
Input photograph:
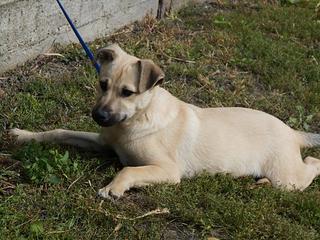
(308, 139)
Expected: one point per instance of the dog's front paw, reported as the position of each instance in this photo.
(20, 136)
(111, 192)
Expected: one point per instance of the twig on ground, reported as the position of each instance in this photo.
(115, 230)
(100, 204)
(177, 59)
(14, 164)
(74, 182)
(57, 232)
(5, 154)
(90, 184)
(10, 185)
(7, 187)
(22, 224)
(153, 212)
(53, 54)
(119, 33)
(156, 211)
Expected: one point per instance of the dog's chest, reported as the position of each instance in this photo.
(128, 155)
(123, 158)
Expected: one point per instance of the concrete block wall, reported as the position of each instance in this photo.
(30, 27)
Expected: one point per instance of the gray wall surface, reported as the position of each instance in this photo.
(30, 27)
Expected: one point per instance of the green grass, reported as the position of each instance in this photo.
(250, 54)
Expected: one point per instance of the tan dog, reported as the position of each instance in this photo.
(162, 139)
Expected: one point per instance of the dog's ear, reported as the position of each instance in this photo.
(105, 55)
(150, 74)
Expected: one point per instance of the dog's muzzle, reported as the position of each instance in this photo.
(106, 118)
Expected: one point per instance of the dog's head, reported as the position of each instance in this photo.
(125, 85)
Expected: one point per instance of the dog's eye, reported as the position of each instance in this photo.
(104, 85)
(126, 93)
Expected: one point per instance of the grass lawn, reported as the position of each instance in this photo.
(258, 54)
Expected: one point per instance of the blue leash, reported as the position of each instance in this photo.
(83, 44)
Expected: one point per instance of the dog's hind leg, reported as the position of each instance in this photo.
(263, 181)
(87, 140)
(314, 163)
(299, 176)
(310, 171)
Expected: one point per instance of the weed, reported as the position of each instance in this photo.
(47, 165)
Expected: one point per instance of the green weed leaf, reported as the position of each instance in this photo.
(37, 229)
(53, 179)
(46, 165)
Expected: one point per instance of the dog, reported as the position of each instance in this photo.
(160, 138)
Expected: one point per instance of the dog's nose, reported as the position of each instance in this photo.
(100, 115)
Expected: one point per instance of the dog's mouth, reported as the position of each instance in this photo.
(105, 119)
(109, 122)
(124, 118)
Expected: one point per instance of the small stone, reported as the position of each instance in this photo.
(2, 93)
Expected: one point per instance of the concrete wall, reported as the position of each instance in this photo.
(30, 27)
